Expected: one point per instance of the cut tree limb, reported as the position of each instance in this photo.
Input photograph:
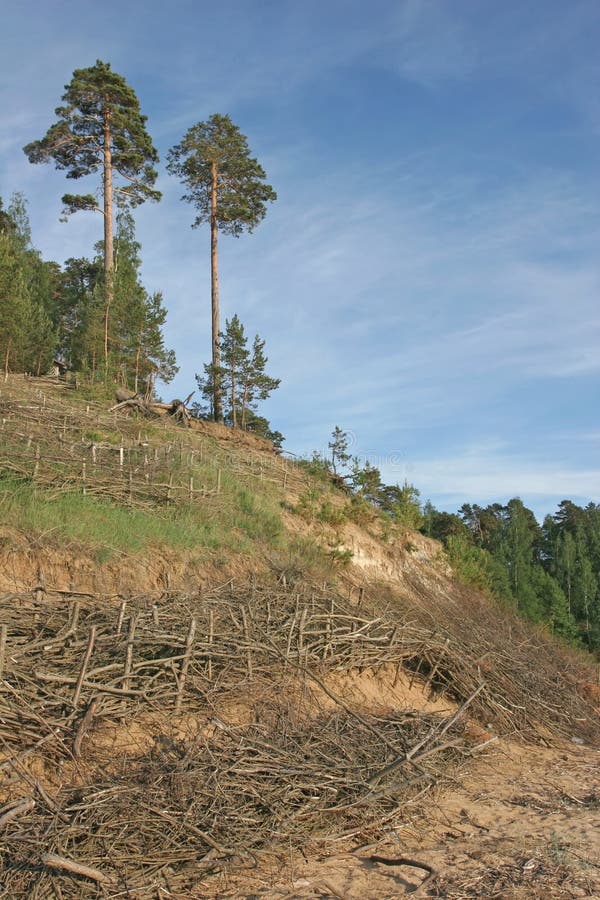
(53, 861)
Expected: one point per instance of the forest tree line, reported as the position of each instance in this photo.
(54, 312)
(548, 573)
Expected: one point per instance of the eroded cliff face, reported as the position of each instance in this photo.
(28, 565)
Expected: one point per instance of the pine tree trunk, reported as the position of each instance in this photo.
(108, 233)
(233, 410)
(137, 362)
(244, 405)
(214, 271)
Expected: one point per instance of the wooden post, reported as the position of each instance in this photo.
(41, 586)
(247, 640)
(129, 651)
(36, 467)
(289, 640)
(93, 454)
(130, 487)
(3, 635)
(155, 614)
(211, 634)
(121, 455)
(218, 481)
(191, 488)
(84, 665)
(170, 487)
(73, 617)
(185, 663)
(301, 632)
(328, 633)
(83, 479)
(121, 616)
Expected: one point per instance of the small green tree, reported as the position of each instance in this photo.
(81, 314)
(340, 458)
(256, 384)
(100, 127)
(402, 504)
(366, 481)
(227, 187)
(244, 381)
(235, 358)
(28, 336)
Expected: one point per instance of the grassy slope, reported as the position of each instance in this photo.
(243, 518)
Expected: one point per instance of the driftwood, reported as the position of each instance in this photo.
(123, 394)
(178, 410)
(18, 810)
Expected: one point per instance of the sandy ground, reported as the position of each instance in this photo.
(519, 822)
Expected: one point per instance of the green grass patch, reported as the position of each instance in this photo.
(235, 520)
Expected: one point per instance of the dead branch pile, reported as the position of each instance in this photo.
(185, 809)
(532, 681)
(203, 790)
(213, 793)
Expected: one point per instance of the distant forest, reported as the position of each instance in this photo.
(549, 573)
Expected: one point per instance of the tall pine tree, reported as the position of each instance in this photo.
(100, 127)
(227, 187)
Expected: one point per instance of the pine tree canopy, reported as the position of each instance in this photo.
(96, 103)
(217, 148)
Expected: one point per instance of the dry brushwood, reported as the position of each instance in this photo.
(298, 765)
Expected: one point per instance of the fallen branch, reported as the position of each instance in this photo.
(19, 810)
(84, 726)
(53, 861)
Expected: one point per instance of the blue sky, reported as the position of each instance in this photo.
(429, 276)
